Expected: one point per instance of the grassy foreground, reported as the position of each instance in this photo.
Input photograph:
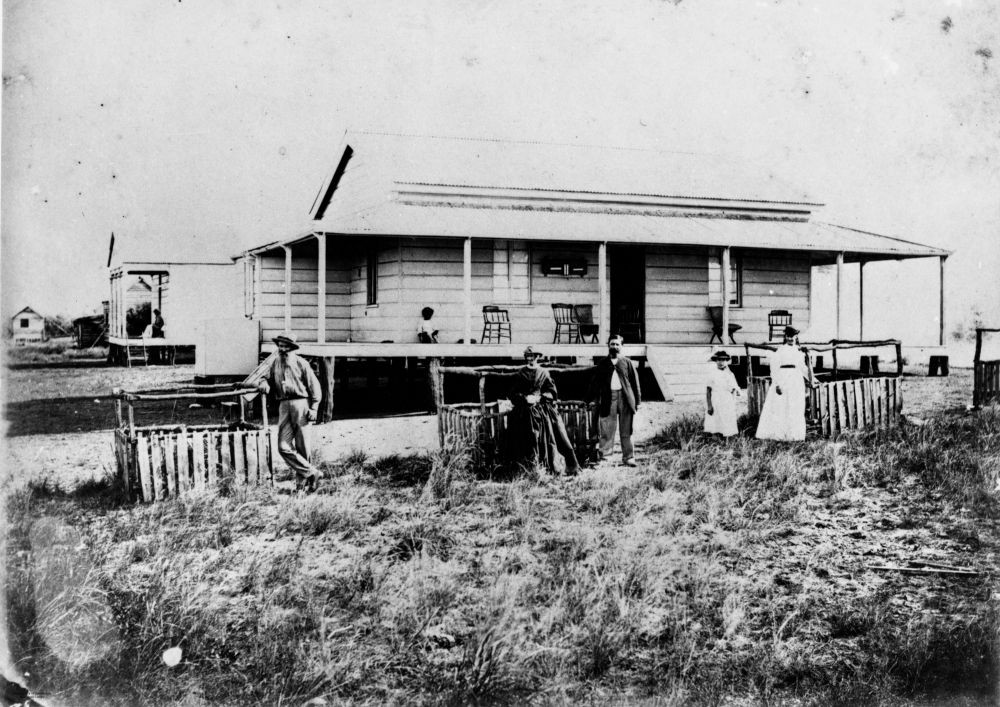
(715, 573)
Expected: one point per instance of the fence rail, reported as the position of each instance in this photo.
(835, 406)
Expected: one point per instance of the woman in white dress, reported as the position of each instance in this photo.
(784, 414)
(721, 391)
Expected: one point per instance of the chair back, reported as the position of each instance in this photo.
(584, 313)
(716, 314)
(494, 315)
(779, 317)
(563, 313)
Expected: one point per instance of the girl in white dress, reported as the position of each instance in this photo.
(720, 397)
(784, 414)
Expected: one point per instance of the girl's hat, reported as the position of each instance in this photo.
(791, 331)
(720, 356)
(531, 353)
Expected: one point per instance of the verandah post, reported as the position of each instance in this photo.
(840, 287)
(604, 320)
(288, 287)
(725, 295)
(467, 288)
(321, 288)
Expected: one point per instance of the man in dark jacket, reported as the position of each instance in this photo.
(615, 387)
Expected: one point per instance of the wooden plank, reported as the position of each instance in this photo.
(198, 472)
(212, 458)
(225, 454)
(183, 444)
(156, 467)
(169, 444)
(239, 459)
(252, 459)
(145, 474)
(842, 423)
(852, 405)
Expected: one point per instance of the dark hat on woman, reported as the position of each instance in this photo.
(791, 331)
(286, 338)
(720, 356)
(531, 353)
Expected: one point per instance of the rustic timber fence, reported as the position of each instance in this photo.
(844, 402)
(986, 374)
(482, 426)
(162, 461)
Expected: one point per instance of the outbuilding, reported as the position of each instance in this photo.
(27, 326)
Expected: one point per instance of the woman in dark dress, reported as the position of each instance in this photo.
(536, 431)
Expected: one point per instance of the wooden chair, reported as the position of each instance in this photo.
(630, 323)
(777, 320)
(565, 323)
(496, 324)
(585, 319)
(716, 314)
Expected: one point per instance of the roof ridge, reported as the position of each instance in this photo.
(610, 193)
(549, 143)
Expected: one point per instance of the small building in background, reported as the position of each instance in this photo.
(89, 331)
(27, 326)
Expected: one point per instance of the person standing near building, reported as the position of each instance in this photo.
(298, 390)
(783, 416)
(615, 387)
(537, 433)
(721, 391)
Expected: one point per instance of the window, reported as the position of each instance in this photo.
(735, 280)
(511, 272)
(372, 277)
(24, 323)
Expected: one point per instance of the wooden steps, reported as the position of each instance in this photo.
(135, 352)
(680, 370)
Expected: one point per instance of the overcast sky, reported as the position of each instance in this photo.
(159, 119)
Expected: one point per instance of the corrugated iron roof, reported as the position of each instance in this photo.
(401, 219)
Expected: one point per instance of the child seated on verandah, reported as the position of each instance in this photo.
(426, 333)
(721, 392)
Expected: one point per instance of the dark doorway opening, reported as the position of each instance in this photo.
(628, 292)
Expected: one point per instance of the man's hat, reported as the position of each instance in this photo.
(720, 356)
(791, 331)
(286, 337)
(530, 352)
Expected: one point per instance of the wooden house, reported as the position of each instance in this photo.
(189, 280)
(651, 240)
(89, 331)
(27, 326)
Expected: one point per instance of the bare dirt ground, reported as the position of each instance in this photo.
(58, 417)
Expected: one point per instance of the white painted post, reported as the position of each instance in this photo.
(467, 288)
(321, 288)
(840, 287)
(725, 295)
(288, 287)
(604, 315)
(941, 260)
(861, 300)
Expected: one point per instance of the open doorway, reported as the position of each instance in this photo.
(628, 292)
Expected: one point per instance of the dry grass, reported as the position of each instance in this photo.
(713, 573)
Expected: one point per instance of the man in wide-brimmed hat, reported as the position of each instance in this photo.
(298, 390)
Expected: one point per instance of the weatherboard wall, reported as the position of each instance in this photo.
(414, 273)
